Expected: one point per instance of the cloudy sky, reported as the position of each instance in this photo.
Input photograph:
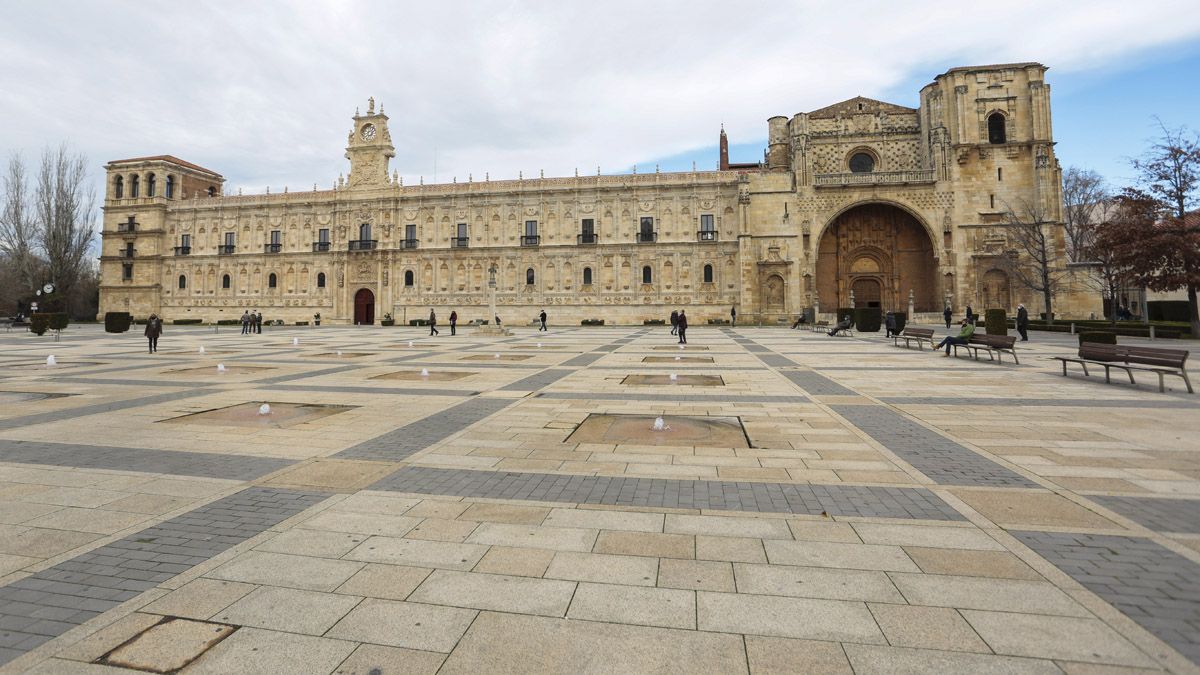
(262, 92)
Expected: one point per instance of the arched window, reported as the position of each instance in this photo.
(119, 188)
(996, 128)
(529, 277)
(133, 186)
(647, 275)
(272, 280)
(151, 183)
(408, 277)
(708, 274)
(169, 191)
(225, 281)
(320, 280)
(861, 162)
(587, 276)
(212, 191)
(182, 282)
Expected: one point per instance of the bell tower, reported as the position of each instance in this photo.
(369, 148)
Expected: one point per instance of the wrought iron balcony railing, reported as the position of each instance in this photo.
(225, 249)
(460, 242)
(530, 240)
(272, 248)
(647, 237)
(320, 247)
(586, 238)
(706, 235)
(363, 244)
(411, 243)
(183, 250)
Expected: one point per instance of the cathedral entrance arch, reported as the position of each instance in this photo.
(364, 307)
(882, 253)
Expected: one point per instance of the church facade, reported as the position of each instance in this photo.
(862, 203)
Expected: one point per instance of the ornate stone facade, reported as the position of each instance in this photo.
(885, 202)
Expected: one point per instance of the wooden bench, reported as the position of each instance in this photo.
(848, 332)
(818, 326)
(13, 322)
(910, 335)
(1155, 360)
(994, 345)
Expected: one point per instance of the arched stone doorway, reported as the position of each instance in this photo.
(364, 307)
(881, 252)
(773, 294)
(996, 292)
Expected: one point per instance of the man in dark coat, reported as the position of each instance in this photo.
(733, 316)
(682, 327)
(674, 322)
(889, 321)
(245, 322)
(153, 330)
(1023, 322)
(258, 322)
(970, 315)
(542, 318)
(453, 321)
(947, 315)
(432, 323)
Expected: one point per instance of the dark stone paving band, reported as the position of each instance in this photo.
(816, 384)
(173, 462)
(400, 443)
(1037, 402)
(1154, 586)
(98, 408)
(679, 398)
(45, 605)
(399, 391)
(941, 459)
(584, 359)
(537, 380)
(1157, 513)
(834, 500)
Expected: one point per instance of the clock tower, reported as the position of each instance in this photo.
(369, 148)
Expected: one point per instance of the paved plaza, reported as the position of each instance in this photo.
(473, 504)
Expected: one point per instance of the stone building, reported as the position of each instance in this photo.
(861, 202)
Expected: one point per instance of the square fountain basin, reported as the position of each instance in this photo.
(682, 359)
(491, 357)
(681, 380)
(688, 348)
(684, 430)
(434, 376)
(283, 415)
(231, 369)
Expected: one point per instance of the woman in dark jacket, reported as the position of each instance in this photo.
(153, 330)
(682, 327)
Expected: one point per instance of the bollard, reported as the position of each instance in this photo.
(1152, 333)
(1072, 328)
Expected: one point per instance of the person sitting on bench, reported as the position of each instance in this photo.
(799, 320)
(844, 324)
(964, 335)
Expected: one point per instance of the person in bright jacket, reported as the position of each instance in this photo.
(964, 334)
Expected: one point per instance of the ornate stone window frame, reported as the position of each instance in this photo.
(866, 150)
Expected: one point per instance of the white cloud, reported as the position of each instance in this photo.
(262, 92)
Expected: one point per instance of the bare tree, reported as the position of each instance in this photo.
(18, 229)
(1107, 238)
(1032, 256)
(64, 206)
(1083, 192)
(1170, 169)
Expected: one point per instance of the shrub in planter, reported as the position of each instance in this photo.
(868, 319)
(995, 322)
(901, 320)
(717, 322)
(117, 322)
(229, 322)
(387, 320)
(418, 322)
(59, 320)
(655, 322)
(301, 323)
(187, 322)
(39, 323)
(1098, 337)
(592, 322)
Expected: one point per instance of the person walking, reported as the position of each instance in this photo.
(1023, 322)
(153, 330)
(970, 315)
(453, 321)
(733, 316)
(947, 315)
(542, 318)
(245, 322)
(674, 322)
(432, 323)
(889, 321)
(258, 322)
(682, 326)
(964, 334)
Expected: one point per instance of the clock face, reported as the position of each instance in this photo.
(368, 132)
(48, 288)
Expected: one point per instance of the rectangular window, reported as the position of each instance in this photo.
(229, 239)
(462, 231)
(323, 235)
(364, 232)
(647, 225)
(531, 228)
(410, 231)
(127, 272)
(276, 237)
(589, 227)
(185, 240)
(706, 222)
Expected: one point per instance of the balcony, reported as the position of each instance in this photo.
(530, 240)
(320, 247)
(460, 242)
(226, 249)
(706, 235)
(873, 178)
(586, 238)
(647, 237)
(183, 250)
(126, 253)
(272, 248)
(411, 243)
(363, 244)
(126, 228)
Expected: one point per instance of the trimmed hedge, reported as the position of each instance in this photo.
(1098, 337)
(187, 322)
(39, 323)
(655, 322)
(995, 321)
(868, 319)
(301, 323)
(229, 322)
(117, 322)
(592, 322)
(1168, 310)
(59, 320)
(382, 322)
(418, 322)
(901, 320)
